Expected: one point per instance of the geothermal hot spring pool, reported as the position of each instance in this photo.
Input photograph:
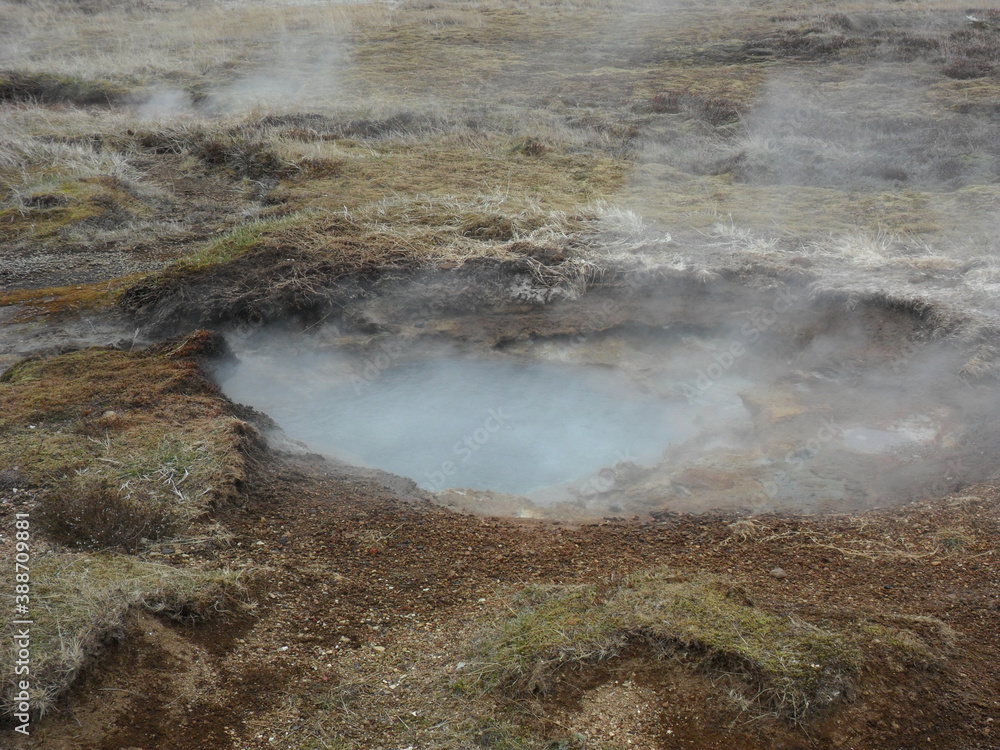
(826, 414)
(456, 421)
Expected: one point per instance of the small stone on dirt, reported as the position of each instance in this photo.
(778, 573)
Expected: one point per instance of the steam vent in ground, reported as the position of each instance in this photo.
(503, 375)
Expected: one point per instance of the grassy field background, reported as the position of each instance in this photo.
(832, 136)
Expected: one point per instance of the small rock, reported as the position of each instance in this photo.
(110, 415)
(778, 573)
(380, 649)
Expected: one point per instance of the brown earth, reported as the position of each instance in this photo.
(351, 580)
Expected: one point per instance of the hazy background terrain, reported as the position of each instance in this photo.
(857, 144)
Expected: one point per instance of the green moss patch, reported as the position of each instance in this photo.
(788, 667)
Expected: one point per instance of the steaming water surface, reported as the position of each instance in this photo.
(483, 424)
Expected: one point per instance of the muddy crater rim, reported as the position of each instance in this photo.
(811, 408)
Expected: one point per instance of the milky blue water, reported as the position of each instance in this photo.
(461, 422)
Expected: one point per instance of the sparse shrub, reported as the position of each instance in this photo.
(840, 21)
(806, 43)
(393, 126)
(953, 539)
(46, 200)
(623, 137)
(317, 167)
(900, 46)
(668, 103)
(243, 150)
(717, 111)
(93, 513)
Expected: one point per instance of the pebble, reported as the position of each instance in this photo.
(778, 573)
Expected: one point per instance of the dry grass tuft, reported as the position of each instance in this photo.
(246, 148)
(82, 601)
(66, 301)
(974, 51)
